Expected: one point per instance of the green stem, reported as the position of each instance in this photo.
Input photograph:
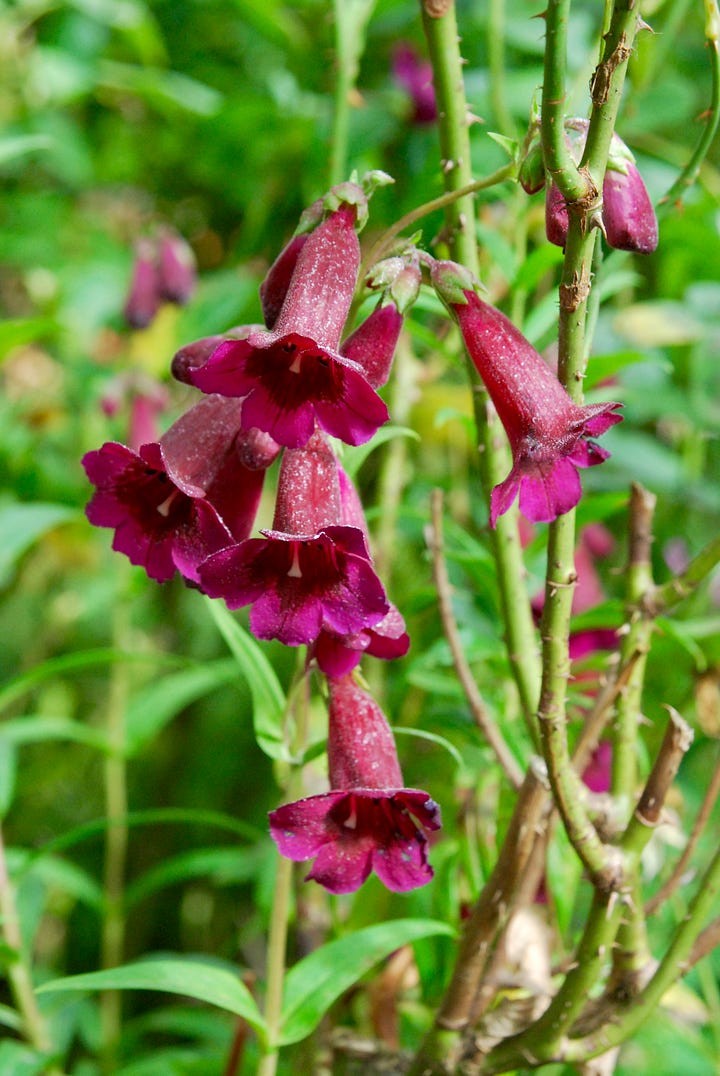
(116, 840)
(18, 967)
(692, 169)
(497, 68)
(282, 893)
(453, 119)
(635, 641)
(556, 152)
(277, 946)
(351, 18)
(665, 597)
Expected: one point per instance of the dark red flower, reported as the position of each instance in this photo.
(310, 574)
(294, 376)
(368, 822)
(548, 433)
(176, 501)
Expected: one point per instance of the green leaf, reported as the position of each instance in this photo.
(19, 145)
(20, 527)
(8, 770)
(199, 978)
(433, 737)
(267, 695)
(156, 705)
(354, 456)
(226, 865)
(18, 331)
(160, 87)
(68, 877)
(319, 979)
(81, 659)
(41, 729)
(19, 1060)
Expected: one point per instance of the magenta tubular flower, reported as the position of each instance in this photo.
(143, 301)
(372, 345)
(548, 433)
(175, 502)
(368, 822)
(176, 268)
(388, 639)
(294, 376)
(309, 574)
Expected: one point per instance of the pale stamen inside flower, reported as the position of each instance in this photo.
(294, 368)
(351, 820)
(294, 571)
(164, 508)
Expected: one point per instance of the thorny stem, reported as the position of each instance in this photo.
(663, 598)
(453, 120)
(678, 873)
(636, 640)
(547, 1038)
(582, 195)
(480, 712)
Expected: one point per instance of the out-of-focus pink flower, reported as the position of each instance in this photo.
(144, 299)
(368, 821)
(415, 76)
(176, 268)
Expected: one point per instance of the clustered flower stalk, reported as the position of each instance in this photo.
(291, 388)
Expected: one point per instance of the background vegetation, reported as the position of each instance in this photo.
(216, 116)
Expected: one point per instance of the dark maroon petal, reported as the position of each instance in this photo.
(274, 287)
(300, 829)
(402, 865)
(600, 417)
(361, 747)
(343, 866)
(372, 345)
(298, 584)
(550, 492)
(334, 656)
(192, 356)
(308, 495)
(628, 214)
(241, 573)
(503, 496)
(357, 416)
(556, 216)
(201, 536)
(323, 283)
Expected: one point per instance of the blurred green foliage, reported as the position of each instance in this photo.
(215, 116)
